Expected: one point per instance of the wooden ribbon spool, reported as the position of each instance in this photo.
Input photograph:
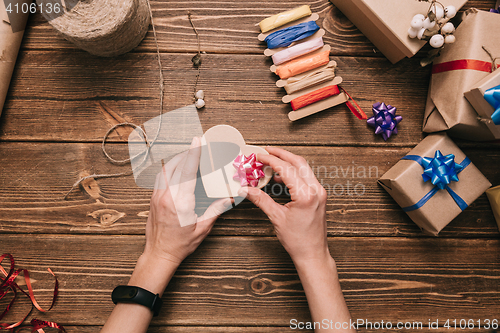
(105, 28)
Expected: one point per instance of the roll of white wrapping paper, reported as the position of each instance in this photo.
(297, 50)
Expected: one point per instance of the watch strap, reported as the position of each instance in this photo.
(137, 295)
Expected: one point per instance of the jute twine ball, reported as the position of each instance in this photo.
(105, 28)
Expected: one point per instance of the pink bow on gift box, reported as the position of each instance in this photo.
(248, 170)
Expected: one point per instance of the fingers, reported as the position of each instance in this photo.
(287, 172)
(207, 220)
(262, 200)
(303, 169)
(190, 168)
(169, 168)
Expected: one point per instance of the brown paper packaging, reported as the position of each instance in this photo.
(386, 22)
(405, 184)
(11, 35)
(494, 198)
(447, 109)
(475, 96)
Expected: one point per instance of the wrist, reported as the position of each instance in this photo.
(312, 266)
(322, 258)
(152, 273)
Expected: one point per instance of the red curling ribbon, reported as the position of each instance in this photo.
(358, 112)
(477, 65)
(8, 283)
(314, 96)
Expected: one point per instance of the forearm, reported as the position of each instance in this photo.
(149, 274)
(324, 295)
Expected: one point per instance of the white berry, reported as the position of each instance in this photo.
(437, 41)
(439, 11)
(199, 103)
(450, 11)
(417, 23)
(428, 24)
(418, 17)
(448, 28)
(200, 94)
(420, 33)
(412, 33)
(450, 39)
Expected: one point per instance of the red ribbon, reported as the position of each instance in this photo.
(8, 283)
(477, 65)
(314, 96)
(358, 112)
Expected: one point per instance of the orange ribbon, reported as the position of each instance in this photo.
(303, 64)
(9, 283)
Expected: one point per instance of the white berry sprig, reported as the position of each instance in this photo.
(434, 27)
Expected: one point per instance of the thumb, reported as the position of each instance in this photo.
(262, 200)
(213, 212)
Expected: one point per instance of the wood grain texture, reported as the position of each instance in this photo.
(227, 27)
(248, 281)
(229, 329)
(66, 96)
(34, 177)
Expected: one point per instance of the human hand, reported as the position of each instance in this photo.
(300, 225)
(173, 230)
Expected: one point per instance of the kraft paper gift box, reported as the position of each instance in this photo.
(447, 109)
(406, 184)
(494, 198)
(484, 109)
(11, 34)
(386, 22)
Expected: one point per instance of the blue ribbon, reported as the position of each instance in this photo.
(440, 170)
(492, 96)
(287, 36)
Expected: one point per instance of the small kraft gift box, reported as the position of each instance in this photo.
(457, 70)
(485, 99)
(434, 183)
(385, 23)
(494, 198)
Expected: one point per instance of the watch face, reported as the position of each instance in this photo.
(125, 292)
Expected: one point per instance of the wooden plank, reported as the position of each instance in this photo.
(236, 329)
(66, 96)
(248, 281)
(34, 177)
(227, 27)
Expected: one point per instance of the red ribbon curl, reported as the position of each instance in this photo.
(8, 283)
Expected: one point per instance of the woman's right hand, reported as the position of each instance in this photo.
(300, 225)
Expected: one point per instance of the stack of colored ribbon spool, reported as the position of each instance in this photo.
(302, 61)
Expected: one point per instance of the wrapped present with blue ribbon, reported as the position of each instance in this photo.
(434, 183)
(485, 99)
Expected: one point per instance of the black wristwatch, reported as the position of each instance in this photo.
(137, 295)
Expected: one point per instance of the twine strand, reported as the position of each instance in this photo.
(149, 145)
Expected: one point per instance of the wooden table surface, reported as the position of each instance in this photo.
(62, 101)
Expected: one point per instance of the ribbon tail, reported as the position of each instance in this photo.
(358, 112)
(460, 202)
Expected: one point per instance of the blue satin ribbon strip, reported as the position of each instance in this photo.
(440, 170)
(492, 96)
(287, 36)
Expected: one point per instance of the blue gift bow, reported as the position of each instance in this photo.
(420, 160)
(287, 36)
(492, 96)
